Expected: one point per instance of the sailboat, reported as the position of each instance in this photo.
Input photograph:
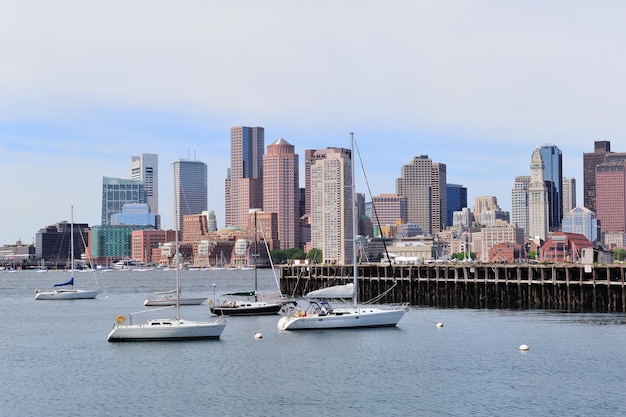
(247, 303)
(168, 298)
(322, 315)
(60, 292)
(167, 329)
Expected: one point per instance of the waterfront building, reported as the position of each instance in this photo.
(145, 168)
(500, 232)
(146, 244)
(281, 191)
(52, 243)
(569, 195)
(582, 221)
(563, 247)
(116, 192)
(108, 244)
(332, 227)
(552, 158)
(519, 206)
(611, 196)
(456, 196)
(424, 184)
(244, 179)
(538, 199)
(190, 190)
(135, 213)
(195, 229)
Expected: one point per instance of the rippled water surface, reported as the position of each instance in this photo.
(55, 360)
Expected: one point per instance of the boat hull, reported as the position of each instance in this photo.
(343, 319)
(243, 310)
(172, 301)
(166, 330)
(66, 295)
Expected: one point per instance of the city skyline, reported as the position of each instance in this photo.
(472, 86)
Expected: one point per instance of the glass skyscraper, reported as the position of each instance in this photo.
(118, 191)
(553, 179)
(190, 190)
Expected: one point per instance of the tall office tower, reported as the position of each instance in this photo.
(332, 227)
(440, 198)
(118, 191)
(569, 195)
(145, 168)
(309, 159)
(482, 204)
(244, 181)
(590, 162)
(359, 202)
(538, 199)
(416, 183)
(611, 196)
(281, 190)
(190, 190)
(519, 206)
(552, 158)
(457, 200)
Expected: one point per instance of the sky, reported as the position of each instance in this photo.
(476, 85)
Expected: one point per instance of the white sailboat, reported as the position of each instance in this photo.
(168, 298)
(168, 329)
(60, 292)
(247, 303)
(322, 315)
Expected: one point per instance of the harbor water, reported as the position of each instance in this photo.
(55, 359)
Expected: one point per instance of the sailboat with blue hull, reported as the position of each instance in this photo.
(66, 290)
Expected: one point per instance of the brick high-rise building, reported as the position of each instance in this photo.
(281, 190)
(244, 180)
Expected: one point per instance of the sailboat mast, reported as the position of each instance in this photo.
(354, 224)
(72, 240)
(255, 255)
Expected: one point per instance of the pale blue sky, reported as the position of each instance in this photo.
(474, 84)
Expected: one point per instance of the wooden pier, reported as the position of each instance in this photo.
(568, 287)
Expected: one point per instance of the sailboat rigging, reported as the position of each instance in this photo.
(322, 315)
(60, 292)
(241, 304)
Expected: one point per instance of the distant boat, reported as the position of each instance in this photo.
(129, 264)
(168, 298)
(320, 314)
(61, 293)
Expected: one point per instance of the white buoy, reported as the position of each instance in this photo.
(258, 336)
(107, 297)
(523, 348)
(439, 324)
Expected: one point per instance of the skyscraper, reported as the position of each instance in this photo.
(190, 190)
(519, 206)
(244, 186)
(457, 200)
(145, 168)
(281, 190)
(118, 191)
(538, 199)
(416, 183)
(553, 177)
(611, 196)
(332, 227)
(590, 162)
(569, 195)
